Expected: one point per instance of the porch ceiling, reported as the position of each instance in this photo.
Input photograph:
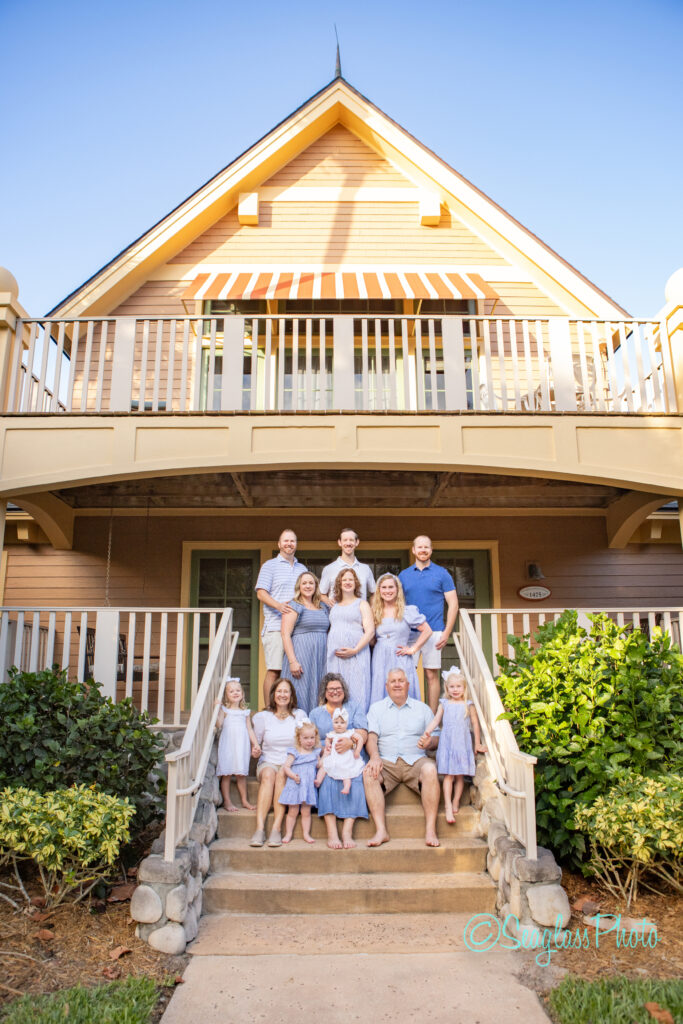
(340, 489)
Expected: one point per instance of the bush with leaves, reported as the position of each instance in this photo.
(587, 704)
(57, 734)
(72, 836)
(635, 834)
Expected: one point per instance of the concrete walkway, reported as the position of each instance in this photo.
(282, 969)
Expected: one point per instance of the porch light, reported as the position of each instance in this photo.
(534, 571)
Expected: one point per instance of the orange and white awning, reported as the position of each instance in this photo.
(340, 284)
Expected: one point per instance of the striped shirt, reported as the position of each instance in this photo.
(361, 569)
(277, 577)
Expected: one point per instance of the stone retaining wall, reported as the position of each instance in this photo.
(529, 896)
(167, 903)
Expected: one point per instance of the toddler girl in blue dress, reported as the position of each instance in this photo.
(300, 769)
(454, 756)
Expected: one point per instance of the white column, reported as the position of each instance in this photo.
(107, 651)
(122, 365)
(562, 365)
(342, 364)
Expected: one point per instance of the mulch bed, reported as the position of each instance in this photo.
(86, 943)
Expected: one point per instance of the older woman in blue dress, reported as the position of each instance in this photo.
(304, 638)
(351, 630)
(332, 804)
(394, 623)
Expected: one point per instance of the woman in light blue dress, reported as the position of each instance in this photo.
(304, 638)
(332, 804)
(351, 630)
(394, 622)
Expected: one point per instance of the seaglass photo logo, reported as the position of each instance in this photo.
(484, 932)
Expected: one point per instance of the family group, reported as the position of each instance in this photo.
(338, 744)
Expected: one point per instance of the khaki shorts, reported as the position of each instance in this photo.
(266, 764)
(431, 658)
(394, 772)
(273, 650)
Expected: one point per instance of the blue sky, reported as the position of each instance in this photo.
(568, 114)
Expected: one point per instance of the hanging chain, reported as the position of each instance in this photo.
(108, 573)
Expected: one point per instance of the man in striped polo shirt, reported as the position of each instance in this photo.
(274, 589)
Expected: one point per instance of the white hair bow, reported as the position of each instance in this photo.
(305, 721)
(233, 679)
(452, 671)
(341, 713)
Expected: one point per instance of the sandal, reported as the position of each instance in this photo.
(275, 838)
(258, 838)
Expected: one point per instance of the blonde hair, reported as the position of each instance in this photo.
(460, 676)
(300, 728)
(235, 682)
(316, 599)
(377, 604)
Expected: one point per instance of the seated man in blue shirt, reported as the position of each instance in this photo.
(396, 749)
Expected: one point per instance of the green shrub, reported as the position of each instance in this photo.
(56, 734)
(73, 836)
(636, 830)
(586, 705)
(612, 1001)
(130, 1001)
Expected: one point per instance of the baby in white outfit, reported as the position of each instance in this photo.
(344, 766)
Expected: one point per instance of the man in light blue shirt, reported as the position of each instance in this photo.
(274, 589)
(348, 542)
(397, 754)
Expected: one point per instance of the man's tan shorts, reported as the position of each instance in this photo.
(394, 772)
(273, 650)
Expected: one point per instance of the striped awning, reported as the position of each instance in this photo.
(342, 284)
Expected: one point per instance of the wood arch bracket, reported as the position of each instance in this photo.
(55, 517)
(625, 515)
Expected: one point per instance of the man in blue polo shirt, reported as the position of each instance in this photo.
(274, 589)
(428, 585)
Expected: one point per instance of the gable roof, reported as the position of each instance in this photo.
(336, 103)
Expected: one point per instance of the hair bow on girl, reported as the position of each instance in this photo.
(233, 679)
(341, 713)
(305, 721)
(452, 671)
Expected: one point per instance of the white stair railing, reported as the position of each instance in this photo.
(187, 766)
(513, 770)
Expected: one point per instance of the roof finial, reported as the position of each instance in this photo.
(337, 66)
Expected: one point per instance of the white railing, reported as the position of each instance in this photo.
(187, 766)
(513, 770)
(151, 655)
(345, 362)
(493, 625)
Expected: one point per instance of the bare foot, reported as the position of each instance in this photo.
(286, 839)
(309, 839)
(449, 815)
(247, 807)
(349, 844)
(231, 807)
(456, 808)
(379, 838)
(431, 839)
(334, 844)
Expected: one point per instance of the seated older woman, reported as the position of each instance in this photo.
(332, 803)
(274, 728)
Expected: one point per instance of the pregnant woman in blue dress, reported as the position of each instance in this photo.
(394, 622)
(351, 630)
(304, 638)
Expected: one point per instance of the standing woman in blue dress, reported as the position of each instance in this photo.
(394, 622)
(304, 638)
(351, 630)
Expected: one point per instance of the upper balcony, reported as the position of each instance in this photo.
(407, 364)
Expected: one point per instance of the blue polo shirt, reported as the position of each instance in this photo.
(426, 588)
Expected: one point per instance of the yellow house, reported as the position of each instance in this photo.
(337, 330)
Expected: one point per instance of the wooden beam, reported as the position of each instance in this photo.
(442, 483)
(244, 491)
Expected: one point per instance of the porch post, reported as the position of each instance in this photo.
(107, 651)
(561, 364)
(11, 314)
(233, 364)
(674, 328)
(122, 365)
(342, 364)
(454, 363)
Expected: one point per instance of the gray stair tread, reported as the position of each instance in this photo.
(304, 882)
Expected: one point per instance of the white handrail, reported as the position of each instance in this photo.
(512, 769)
(187, 765)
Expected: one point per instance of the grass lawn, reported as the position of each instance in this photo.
(130, 1001)
(615, 1001)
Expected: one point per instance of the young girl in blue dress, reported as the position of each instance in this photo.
(454, 756)
(300, 769)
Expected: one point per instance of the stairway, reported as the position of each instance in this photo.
(401, 877)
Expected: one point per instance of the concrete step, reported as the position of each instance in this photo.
(459, 853)
(405, 821)
(400, 795)
(346, 894)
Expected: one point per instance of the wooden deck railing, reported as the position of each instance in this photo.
(187, 765)
(345, 362)
(152, 655)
